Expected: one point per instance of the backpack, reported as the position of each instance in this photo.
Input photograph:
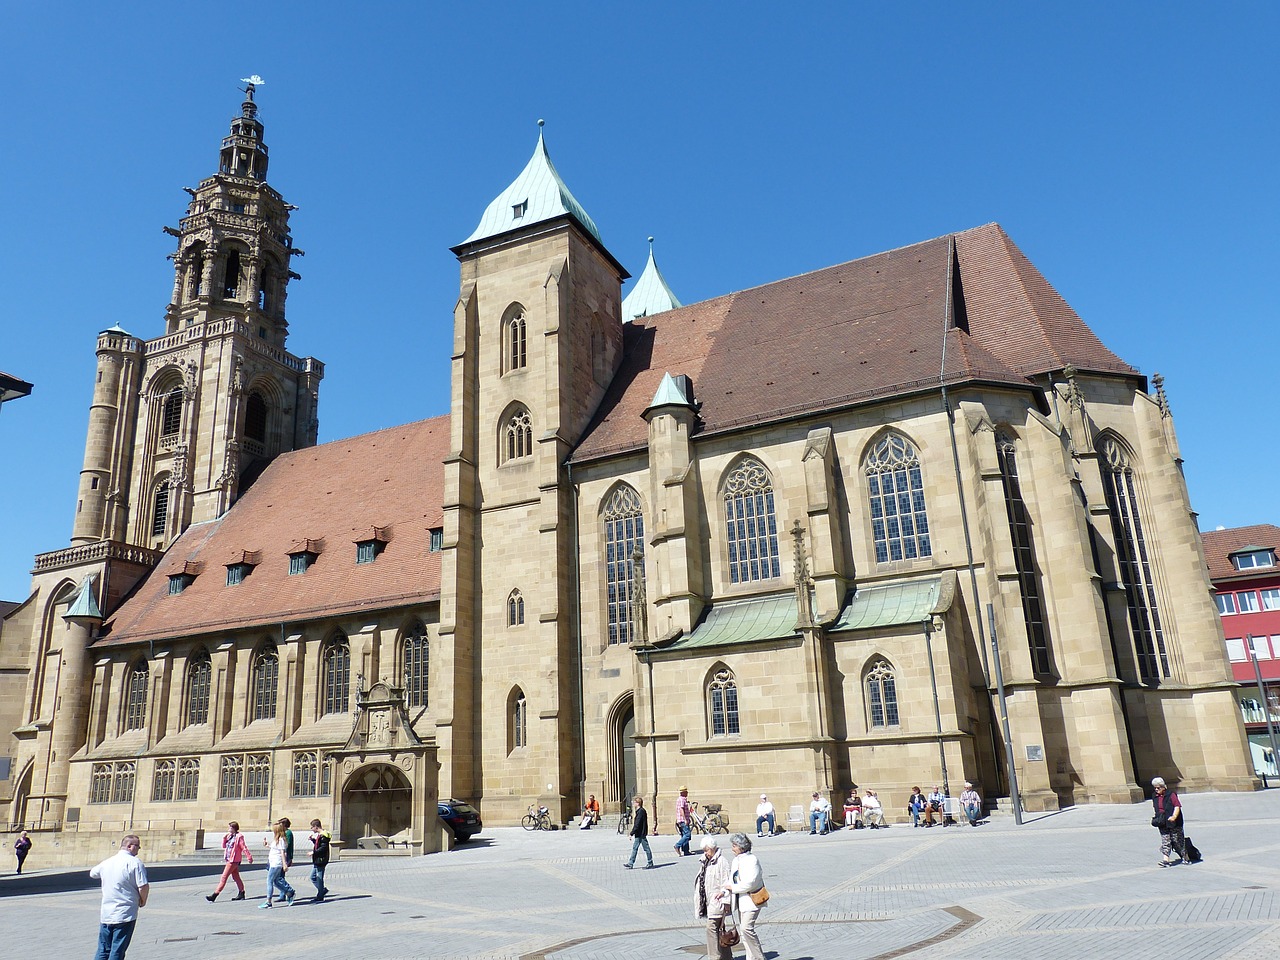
(1190, 852)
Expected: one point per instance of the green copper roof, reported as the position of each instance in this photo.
(650, 294)
(536, 195)
(892, 604)
(744, 621)
(669, 394)
(85, 606)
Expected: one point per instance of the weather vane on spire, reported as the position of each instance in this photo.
(254, 81)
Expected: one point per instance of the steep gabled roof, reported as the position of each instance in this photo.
(392, 479)
(860, 331)
(1220, 545)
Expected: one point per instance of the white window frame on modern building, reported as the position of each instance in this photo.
(1270, 598)
(1261, 648)
(1226, 604)
(1236, 650)
(1247, 601)
(1254, 559)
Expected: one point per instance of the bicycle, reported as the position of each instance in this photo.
(713, 821)
(624, 822)
(539, 820)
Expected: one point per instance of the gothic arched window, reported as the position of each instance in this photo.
(306, 773)
(1133, 557)
(1024, 555)
(417, 662)
(337, 675)
(257, 781)
(231, 277)
(199, 673)
(895, 486)
(518, 720)
(514, 343)
(255, 418)
(163, 780)
(623, 540)
(517, 435)
(882, 695)
(751, 523)
(160, 508)
(135, 697)
(171, 413)
(722, 704)
(266, 675)
(515, 609)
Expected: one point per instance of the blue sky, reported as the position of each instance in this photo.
(1129, 149)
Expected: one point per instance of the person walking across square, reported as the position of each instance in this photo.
(321, 840)
(277, 848)
(21, 847)
(124, 893)
(640, 835)
(684, 823)
(234, 851)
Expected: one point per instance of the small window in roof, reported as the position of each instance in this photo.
(236, 572)
(300, 562)
(368, 550)
(1251, 559)
(518, 210)
(179, 582)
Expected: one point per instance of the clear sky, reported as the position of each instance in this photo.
(1129, 149)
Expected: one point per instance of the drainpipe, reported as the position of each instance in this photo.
(575, 539)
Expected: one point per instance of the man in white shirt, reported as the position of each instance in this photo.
(765, 814)
(124, 891)
(872, 811)
(819, 814)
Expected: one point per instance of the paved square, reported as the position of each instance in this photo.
(1079, 884)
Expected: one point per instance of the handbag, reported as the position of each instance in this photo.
(729, 936)
(760, 897)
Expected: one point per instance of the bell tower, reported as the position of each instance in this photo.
(181, 424)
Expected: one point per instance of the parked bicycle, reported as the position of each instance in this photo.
(539, 819)
(713, 821)
(624, 822)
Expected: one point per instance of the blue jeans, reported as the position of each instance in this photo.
(113, 940)
(686, 834)
(973, 811)
(317, 878)
(276, 881)
(818, 821)
(767, 818)
(635, 848)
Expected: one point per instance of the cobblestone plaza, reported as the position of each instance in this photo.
(1080, 883)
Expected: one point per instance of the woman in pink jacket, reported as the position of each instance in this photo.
(234, 849)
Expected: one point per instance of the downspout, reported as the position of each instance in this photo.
(581, 758)
(964, 510)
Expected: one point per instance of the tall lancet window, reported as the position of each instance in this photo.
(623, 538)
(1024, 556)
(895, 490)
(752, 526)
(517, 435)
(135, 703)
(1133, 557)
(514, 343)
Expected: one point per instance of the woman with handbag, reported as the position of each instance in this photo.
(746, 884)
(710, 903)
(1168, 820)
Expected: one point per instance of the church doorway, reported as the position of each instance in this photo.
(377, 802)
(19, 816)
(624, 752)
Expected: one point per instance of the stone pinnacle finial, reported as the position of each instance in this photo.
(1161, 397)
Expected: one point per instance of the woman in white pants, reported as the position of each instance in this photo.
(746, 878)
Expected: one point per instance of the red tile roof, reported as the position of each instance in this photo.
(334, 493)
(1219, 545)
(864, 330)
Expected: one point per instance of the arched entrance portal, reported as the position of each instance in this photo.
(376, 802)
(19, 815)
(624, 752)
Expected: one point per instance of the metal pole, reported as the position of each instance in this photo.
(937, 710)
(1266, 708)
(1004, 716)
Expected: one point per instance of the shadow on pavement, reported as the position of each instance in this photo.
(66, 881)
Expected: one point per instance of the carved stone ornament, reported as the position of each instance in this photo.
(237, 376)
(349, 765)
(178, 479)
(190, 380)
(406, 762)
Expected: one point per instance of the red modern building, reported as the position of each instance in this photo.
(1242, 565)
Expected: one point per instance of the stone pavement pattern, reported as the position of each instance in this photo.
(1079, 884)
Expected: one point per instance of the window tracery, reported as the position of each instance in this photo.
(751, 524)
(895, 489)
(623, 520)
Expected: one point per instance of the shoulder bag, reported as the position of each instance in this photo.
(729, 935)
(760, 897)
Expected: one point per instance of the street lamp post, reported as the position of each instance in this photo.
(937, 710)
(1266, 709)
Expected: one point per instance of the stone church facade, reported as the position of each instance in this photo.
(778, 541)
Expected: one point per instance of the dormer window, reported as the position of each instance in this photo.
(179, 582)
(1252, 558)
(518, 210)
(368, 548)
(300, 562)
(236, 572)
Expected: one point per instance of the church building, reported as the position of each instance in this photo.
(789, 539)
